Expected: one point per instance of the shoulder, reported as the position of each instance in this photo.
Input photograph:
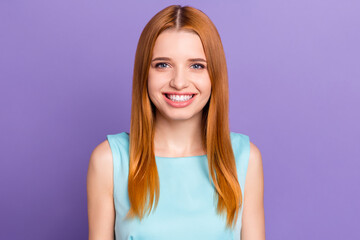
(255, 154)
(101, 154)
(249, 154)
(100, 165)
(118, 140)
(254, 177)
(253, 219)
(100, 203)
(240, 144)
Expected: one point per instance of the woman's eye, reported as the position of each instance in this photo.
(161, 65)
(198, 66)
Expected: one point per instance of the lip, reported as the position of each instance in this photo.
(177, 93)
(179, 104)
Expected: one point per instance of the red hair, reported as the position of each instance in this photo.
(143, 180)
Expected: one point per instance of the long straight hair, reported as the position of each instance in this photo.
(143, 180)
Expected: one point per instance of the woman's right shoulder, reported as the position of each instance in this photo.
(101, 153)
(101, 213)
(100, 164)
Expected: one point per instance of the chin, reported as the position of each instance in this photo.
(177, 116)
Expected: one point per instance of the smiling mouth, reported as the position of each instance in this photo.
(179, 97)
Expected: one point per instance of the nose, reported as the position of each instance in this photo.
(179, 80)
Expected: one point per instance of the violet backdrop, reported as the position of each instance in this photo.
(294, 75)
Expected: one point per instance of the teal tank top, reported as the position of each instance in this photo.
(186, 207)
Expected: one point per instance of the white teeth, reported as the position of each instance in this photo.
(179, 98)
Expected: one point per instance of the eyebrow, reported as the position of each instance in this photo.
(169, 59)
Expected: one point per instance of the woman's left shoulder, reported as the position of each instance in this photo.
(255, 154)
(255, 175)
(253, 219)
(255, 166)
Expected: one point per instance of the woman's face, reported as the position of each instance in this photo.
(179, 84)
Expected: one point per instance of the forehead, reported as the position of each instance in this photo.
(178, 44)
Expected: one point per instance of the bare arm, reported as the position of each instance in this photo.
(253, 219)
(101, 212)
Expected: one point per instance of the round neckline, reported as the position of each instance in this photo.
(188, 157)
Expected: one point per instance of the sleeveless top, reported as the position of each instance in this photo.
(186, 207)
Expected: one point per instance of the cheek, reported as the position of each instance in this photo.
(157, 81)
(205, 85)
(151, 83)
(151, 92)
(154, 86)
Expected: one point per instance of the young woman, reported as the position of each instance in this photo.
(180, 173)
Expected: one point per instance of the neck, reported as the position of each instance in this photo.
(178, 138)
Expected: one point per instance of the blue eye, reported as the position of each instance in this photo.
(160, 64)
(200, 66)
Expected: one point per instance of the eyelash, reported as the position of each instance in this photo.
(201, 65)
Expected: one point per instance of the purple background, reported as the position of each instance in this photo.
(294, 74)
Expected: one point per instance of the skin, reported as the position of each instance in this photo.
(177, 130)
(177, 133)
